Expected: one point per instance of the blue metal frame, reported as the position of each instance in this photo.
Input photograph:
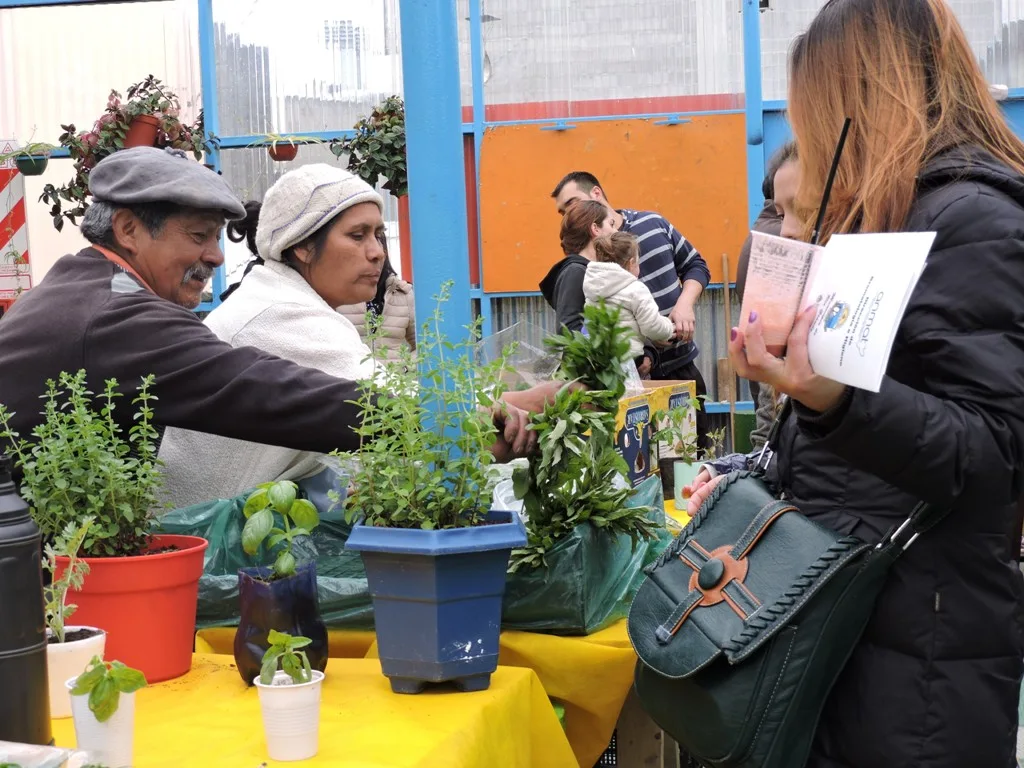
(437, 189)
(753, 101)
(211, 119)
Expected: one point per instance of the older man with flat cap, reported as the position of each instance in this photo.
(121, 308)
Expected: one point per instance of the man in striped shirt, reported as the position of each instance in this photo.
(669, 265)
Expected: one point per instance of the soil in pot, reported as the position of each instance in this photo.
(142, 132)
(287, 605)
(282, 152)
(146, 604)
(69, 659)
(31, 166)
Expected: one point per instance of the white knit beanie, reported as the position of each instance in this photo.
(304, 200)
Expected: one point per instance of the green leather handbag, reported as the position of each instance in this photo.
(746, 620)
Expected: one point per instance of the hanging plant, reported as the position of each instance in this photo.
(149, 116)
(378, 147)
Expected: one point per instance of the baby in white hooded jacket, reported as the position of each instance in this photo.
(614, 277)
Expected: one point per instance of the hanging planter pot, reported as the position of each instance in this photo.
(146, 604)
(31, 166)
(142, 132)
(69, 659)
(437, 599)
(287, 605)
(283, 151)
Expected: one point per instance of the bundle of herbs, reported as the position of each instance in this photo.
(427, 432)
(578, 476)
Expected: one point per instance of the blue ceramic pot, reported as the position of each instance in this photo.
(437, 599)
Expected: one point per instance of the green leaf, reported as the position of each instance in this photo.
(299, 642)
(304, 514)
(278, 638)
(257, 500)
(127, 680)
(282, 495)
(269, 666)
(103, 699)
(256, 529)
(94, 672)
(285, 564)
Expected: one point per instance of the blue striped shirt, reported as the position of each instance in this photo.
(667, 259)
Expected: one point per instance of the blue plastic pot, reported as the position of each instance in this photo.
(437, 599)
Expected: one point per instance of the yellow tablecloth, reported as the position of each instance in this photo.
(590, 675)
(210, 718)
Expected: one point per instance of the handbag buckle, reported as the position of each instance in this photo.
(894, 535)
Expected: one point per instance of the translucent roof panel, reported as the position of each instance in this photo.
(305, 65)
(53, 70)
(994, 28)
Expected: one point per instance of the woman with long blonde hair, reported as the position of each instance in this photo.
(935, 679)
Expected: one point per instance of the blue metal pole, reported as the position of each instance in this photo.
(437, 189)
(211, 119)
(476, 48)
(754, 104)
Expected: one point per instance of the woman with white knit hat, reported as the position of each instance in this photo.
(317, 237)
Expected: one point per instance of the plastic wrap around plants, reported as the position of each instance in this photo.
(589, 581)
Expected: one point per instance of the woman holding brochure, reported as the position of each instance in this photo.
(935, 679)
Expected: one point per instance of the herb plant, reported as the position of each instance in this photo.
(578, 475)
(674, 429)
(104, 682)
(298, 518)
(79, 465)
(284, 653)
(425, 445)
(66, 545)
(378, 148)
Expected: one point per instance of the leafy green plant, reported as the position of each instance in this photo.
(284, 653)
(298, 518)
(79, 465)
(104, 682)
(378, 147)
(425, 445)
(87, 148)
(67, 544)
(595, 358)
(578, 475)
(32, 149)
(674, 429)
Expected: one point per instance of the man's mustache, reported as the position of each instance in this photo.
(198, 271)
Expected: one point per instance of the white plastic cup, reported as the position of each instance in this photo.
(67, 660)
(109, 744)
(291, 717)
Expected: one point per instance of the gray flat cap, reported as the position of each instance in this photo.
(150, 175)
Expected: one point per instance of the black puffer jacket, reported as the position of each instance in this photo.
(934, 682)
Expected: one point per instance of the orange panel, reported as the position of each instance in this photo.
(694, 174)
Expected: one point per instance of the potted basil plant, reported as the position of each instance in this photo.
(435, 554)
(103, 705)
(289, 690)
(281, 597)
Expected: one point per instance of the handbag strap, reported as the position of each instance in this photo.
(922, 518)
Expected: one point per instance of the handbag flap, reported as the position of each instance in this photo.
(729, 583)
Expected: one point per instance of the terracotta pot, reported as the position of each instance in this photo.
(283, 152)
(146, 604)
(142, 132)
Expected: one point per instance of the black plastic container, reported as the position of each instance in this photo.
(24, 703)
(287, 605)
